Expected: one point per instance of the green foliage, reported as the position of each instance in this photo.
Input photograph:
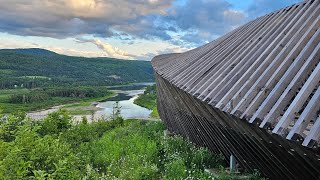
(28, 98)
(84, 120)
(130, 151)
(175, 169)
(116, 113)
(17, 67)
(255, 175)
(44, 94)
(32, 99)
(80, 92)
(9, 126)
(139, 151)
(54, 148)
(149, 100)
(30, 155)
(83, 133)
(55, 123)
(183, 159)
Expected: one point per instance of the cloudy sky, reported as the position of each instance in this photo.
(127, 29)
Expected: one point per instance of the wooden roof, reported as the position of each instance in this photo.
(266, 72)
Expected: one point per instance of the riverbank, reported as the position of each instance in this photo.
(86, 107)
(149, 100)
(102, 108)
(26, 100)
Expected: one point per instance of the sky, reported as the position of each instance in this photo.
(124, 29)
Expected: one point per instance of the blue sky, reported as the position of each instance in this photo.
(126, 29)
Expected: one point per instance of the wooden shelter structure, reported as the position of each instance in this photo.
(253, 93)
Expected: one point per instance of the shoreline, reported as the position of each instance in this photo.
(92, 108)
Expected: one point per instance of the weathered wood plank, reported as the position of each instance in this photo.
(299, 100)
(313, 136)
(307, 115)
(268, 69)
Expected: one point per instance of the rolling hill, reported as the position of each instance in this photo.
(39, 67)
(30, 51)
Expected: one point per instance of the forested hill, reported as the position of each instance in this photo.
(30, 51)
(38, 67)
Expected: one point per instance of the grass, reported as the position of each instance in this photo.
(5, 106)
(130, 86)
(84, 106)
(149, 100)
(34, 77)
(76, 106)
(56, 148)
(5, 94)
(79, 105)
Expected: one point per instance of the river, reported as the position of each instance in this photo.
(125, 96)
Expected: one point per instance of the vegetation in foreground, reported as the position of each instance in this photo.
(57, 149)
(149, 100)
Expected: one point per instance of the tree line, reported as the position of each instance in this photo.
(43, 94)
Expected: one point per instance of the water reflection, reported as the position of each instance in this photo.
(125, 96)
(128, 108)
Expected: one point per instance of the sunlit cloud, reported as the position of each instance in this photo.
(108, 49)
(112, 51)
(181, 24)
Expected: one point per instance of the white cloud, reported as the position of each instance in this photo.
(108, 49)
(112, 51)
(67, 18)
(150, 55)
(74, 52)
(188, 24)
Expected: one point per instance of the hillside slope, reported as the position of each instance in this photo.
(37, 67)
(31, 51)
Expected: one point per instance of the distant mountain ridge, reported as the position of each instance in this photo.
(39, 67)
(31, 51)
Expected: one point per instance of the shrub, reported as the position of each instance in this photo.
(195, 159)
(55, 123)
(9, 126)
(175, 169)
(29, 155)
(57, 149)
(126, 152)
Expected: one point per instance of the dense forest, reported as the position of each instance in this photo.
(31, 68)
(44, 94)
